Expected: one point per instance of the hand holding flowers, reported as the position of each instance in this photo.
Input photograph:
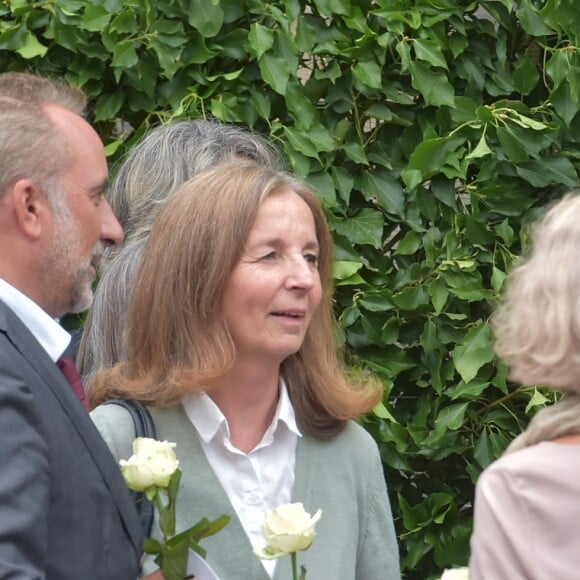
(288, 529)
(154, 469)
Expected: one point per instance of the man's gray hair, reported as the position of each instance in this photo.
(30, 145)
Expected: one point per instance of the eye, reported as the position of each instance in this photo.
(98, 197)
(311, 259)
(269, 256)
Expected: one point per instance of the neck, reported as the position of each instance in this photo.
(247, 396)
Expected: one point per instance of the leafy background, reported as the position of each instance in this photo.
(434, 131)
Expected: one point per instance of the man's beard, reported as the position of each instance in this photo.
(73, 282)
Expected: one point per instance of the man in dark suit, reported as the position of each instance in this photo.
(65, 512)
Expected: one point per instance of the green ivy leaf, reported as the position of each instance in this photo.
(439, 294)
(483, 451)
(387, 191)
(531, 21)
(542, 172)
(95, 18)
(434, 86)
(430, 155)
(366, 227)
(428, 339)
(13, 38)
(355, 152)
(343, 182)
(476, 351)
(429, 51)
(411, 298)
(481, 149)
(125, 54)
(331, 7)
(536, 400)
(206, 16)
(261, 39)
(108, 106)
(526, 75)
(515, 148)
(301, 142)
(275, 71)
(368, 73)
(381, 411)
(410, 243)
(564, 102)
(323, 185)
(343, 269)
(32, 48)
(377, 301)
(451, 417)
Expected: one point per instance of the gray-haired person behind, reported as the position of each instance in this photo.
(527, 511)
(171, 154)
(163, 160)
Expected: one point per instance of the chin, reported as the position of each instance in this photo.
(81, 301)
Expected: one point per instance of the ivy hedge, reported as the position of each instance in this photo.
(434, 130)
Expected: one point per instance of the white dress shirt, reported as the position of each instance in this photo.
(255, 482)
(49, 333)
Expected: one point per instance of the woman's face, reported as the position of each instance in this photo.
(274, 288)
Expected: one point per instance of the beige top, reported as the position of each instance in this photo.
(527, 516)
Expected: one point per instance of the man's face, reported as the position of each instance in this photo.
(71, 272)
(85, 223)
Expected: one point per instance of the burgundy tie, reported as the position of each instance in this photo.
(67, 365)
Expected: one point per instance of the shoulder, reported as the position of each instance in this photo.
(543, 464)
(355, 439)
(352, 450)
(116, 427)
(528, 462)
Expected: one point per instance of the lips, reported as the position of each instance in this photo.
(289, 313)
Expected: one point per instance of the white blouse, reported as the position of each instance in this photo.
(255, 482)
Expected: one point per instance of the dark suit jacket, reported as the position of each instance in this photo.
(65, 512)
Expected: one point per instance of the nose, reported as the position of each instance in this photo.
(111, 230)
(301, 274)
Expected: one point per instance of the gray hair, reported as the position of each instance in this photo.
(167, 157)
(104, 339)
(30, 145)
(537, 326)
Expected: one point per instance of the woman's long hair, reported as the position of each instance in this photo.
(178, 342)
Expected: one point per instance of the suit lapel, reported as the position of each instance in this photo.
(52, 378)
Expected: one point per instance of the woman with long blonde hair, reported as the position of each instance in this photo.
(231, 346)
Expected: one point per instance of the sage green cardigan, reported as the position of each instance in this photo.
(355, 538)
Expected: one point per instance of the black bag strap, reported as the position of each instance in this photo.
(144, 427)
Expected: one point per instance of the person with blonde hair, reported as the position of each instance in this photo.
(231, 345)
(153, 170)
(526, 504)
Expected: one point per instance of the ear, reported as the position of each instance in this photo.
(31, 207)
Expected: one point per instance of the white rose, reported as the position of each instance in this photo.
(455, 574)
(288, 529)
(152, 463)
